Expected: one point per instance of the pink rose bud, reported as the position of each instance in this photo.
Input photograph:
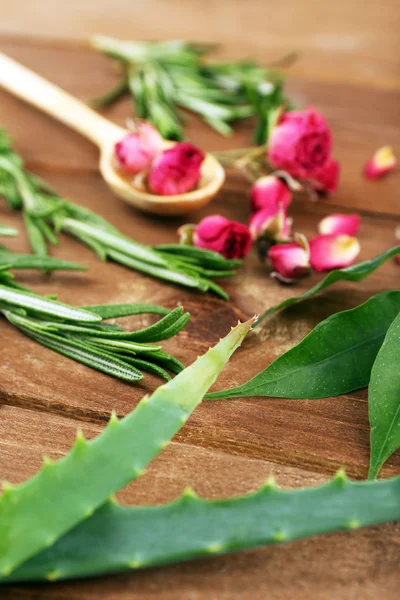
(136, 151)
(229, 238)
(338, 223)
(270, 223)
(176, 170)
(381, 163)
(269, 192)
(327, 179)
(333, 251)
(290, 261)
(301, 143)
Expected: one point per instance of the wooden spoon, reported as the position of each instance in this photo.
(44, 95)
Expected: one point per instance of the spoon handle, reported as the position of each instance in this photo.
(46, 96)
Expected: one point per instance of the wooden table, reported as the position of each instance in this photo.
(349, 68)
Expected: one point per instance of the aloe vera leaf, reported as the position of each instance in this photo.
(335, 358)
(7, 231)
(36, 261)
(74, 487)
(384, 400)
(48, 307)
(91, 356)
(112, 311)
(356, 272)
(119, 538)
(115, 241)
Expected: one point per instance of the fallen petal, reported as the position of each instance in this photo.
(381, 163)
(338, 223)
(329, 252)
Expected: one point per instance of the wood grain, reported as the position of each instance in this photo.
(349, 68)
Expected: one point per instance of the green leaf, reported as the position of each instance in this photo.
(36, 303)
(335, 358)
(7, 231)
(119, 538)
(356, 272)
(112, 311)
(35, 514)
(384, 400)
(35, 261)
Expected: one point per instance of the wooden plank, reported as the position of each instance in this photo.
(332, 566)
(349, 70)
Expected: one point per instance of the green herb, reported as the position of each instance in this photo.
(7, 231)
(384, 400)
(35, 514)
(81, 334)
(118, 538)
(46, 214)
(356, 272)
(335, 358)
(165, 77)
(15, 260)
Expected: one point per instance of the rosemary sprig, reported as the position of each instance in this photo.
(46, 214)
(83, 335)
(165, 77)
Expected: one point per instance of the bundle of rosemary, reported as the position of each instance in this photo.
(166, 76)
(46, 214)
(82, 334)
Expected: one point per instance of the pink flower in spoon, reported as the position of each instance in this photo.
(176, 170)
(136, 151)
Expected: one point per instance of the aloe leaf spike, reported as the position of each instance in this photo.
(35, 514)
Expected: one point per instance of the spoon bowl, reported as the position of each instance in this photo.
(32, 88)
(133, 188)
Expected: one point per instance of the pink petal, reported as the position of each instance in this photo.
(381, 163)
(333, 251)
(339, 223)
(289, 261)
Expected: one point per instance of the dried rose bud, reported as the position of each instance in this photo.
(326, 179)
(338, 223)
(381, 163)
(270, 223)
(229, 238)
(290, 261)
(176, 170)
(136, 151)
(329, 252)
(269, 192)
